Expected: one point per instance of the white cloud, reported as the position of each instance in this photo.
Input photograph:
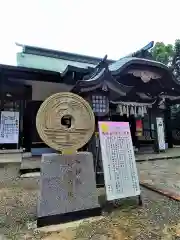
(93, 27)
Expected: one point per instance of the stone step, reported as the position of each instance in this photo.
(11, 156)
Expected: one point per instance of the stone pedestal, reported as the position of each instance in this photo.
(67, 188)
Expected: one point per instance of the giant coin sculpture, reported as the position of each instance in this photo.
(65, 122)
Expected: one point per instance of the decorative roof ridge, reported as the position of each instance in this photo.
(99, 76)
(117, 66)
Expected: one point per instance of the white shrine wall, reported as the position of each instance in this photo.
(42, 90)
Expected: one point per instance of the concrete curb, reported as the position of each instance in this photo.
(158, 158)
(166, 193)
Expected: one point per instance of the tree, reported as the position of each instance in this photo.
(176, 60)
(168, 54)
(163, 53)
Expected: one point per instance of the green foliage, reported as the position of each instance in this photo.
(169, 54)
(176, 60)
(177, 46)
(163, 53)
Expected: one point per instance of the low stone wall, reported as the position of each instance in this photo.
(9, 171)
(11, 156)
(10, 163)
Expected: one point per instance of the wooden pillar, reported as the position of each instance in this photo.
(168, 125)
(27, 119)
(21, 113)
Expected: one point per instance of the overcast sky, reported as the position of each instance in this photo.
(90, 27)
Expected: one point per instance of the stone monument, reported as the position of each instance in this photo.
(65, 122)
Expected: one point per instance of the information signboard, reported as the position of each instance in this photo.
(120, 172)
(9, 127)
(160, 133)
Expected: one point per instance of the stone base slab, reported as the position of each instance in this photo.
(68, 217)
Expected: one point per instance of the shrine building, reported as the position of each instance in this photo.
(134, 89)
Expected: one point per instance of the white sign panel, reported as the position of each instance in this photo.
(120, 172)
(9, 127)
(160, 133)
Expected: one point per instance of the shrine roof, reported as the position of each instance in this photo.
(27, 49)
(116, 75)
(118, 68)
(25, 73)
(123, 82)
(122, 63)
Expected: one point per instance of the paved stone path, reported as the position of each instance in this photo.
(161, 175)
(168, 154)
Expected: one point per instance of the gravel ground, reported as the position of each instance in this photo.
(158, 218)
